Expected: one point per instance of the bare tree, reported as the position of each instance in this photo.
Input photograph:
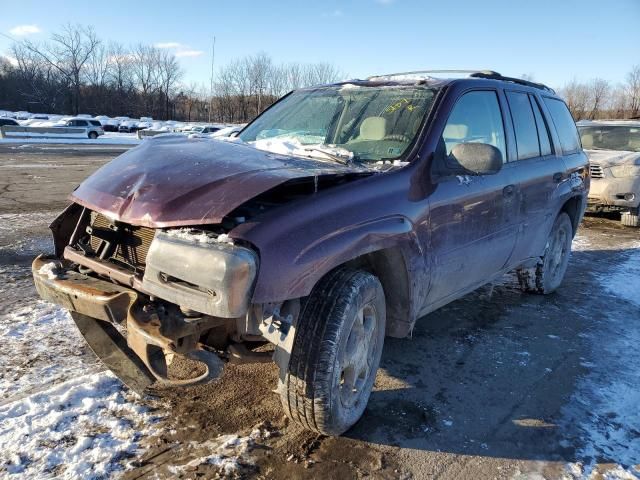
(598, 94)
(145, 68)
(169, 73)
(576, 95)
(68, 52)
(633, 90)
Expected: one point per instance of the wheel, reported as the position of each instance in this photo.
(548, 274)
(336, 352)
(631, 218)
(93, 135)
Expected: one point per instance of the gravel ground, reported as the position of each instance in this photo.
(495, 385)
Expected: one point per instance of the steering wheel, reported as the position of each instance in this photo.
(398, 137)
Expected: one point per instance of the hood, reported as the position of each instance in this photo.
(170, 181)
(609, 158)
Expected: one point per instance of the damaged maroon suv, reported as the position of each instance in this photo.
(339, 216)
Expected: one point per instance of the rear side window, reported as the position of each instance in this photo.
(476, 117)
(524, 125)
(95, 123)
(565, 126)
(543, 131)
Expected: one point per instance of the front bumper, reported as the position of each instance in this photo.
(610, 192)
(99, 307)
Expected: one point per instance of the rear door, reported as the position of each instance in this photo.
(473, 219)
(538, 171)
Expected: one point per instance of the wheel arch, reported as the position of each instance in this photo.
(390, 267)
(574, 207)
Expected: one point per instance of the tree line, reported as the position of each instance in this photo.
(599, 99)
(77, 72)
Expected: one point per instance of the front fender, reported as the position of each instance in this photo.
(285, 274)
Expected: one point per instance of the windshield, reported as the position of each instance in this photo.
(347, 122)
(611, 137)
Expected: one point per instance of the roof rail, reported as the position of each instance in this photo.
(519, 81)
(416, 72)
(486, 74)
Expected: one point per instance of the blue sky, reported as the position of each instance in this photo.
(554, 40)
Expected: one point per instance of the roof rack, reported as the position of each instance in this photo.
(417, 72)
(485, 74)
(519, 81)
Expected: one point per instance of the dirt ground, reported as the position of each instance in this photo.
(496, 385)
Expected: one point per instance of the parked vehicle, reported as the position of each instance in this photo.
(93, 127)
(129, 126)
(613, 147)
(8, 121)
(339, 216)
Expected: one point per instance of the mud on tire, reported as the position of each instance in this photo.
(328, 381)
(549, 272)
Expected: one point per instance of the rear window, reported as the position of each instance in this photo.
(524, 125)
(565, 126)
(543, 129)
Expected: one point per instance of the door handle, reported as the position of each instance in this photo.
(558, 176)
(508, 191)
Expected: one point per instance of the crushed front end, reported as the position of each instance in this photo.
(142, 296)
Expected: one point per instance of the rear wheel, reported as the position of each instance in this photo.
(336, 352)
(548, 274)
(93, 135)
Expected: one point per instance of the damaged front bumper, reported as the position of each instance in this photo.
(104, 311)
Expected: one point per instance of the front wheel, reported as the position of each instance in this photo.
(336, 352)
(548, 274)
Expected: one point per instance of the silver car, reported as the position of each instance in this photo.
(93, 127)
(613, 147)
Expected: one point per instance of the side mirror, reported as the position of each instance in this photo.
(474, 159)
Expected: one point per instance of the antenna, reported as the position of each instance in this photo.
(213, 57)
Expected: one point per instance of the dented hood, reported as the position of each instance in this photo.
(173, 181)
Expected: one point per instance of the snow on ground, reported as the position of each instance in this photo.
(82, 428)
(41, 346)
(624, 281)
(228, 453)
(604, 407)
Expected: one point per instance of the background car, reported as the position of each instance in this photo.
(93, 127)
(613, 147)
(8, 121)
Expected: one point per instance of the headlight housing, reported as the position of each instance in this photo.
(210, 277)
(625, 171)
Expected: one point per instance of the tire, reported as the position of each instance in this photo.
(631, 218)
(338, 344)
(93, 135)
(548, 274)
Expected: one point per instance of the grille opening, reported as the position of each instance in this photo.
(596, 171)
(125, 245)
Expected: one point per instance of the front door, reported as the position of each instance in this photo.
(473, 219)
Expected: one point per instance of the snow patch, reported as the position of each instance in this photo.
(624, 280)
(198, 236)
(49, 269)
(82, 428)
(227, 452)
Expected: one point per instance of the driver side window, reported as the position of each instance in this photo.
(475, 118)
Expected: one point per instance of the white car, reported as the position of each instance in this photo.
(613, 147)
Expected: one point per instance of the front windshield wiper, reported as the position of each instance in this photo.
(334, 153)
